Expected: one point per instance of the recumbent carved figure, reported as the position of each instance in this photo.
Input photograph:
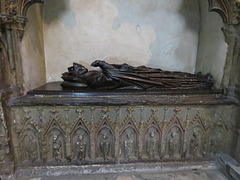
(124, 76)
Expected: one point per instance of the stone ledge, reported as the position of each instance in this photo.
(52, 95)
(229, 166)
(215, 99)
(117, 168)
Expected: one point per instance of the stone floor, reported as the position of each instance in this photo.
(177, 175)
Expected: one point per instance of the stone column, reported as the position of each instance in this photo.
(6, 165)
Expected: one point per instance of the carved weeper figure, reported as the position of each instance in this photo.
(57, 148)
(194, 143)
(32, 149)
(151, 145)
(105, 146)
(128, 146)
(124, 76)
(174, 145)
(81, 148)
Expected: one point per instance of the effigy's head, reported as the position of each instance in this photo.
(77, 69)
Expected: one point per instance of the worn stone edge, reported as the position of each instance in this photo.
(208, 99)
(113, 169)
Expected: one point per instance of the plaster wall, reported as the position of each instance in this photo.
(33, 60)
(212, 49)
(156, 33)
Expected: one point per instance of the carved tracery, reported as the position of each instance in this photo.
(229, 10)
(197, 137)
(29, 136)
(18, 7)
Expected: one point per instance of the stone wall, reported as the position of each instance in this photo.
(181, 35)
(138, 32)
(32, 49)
(212, 48)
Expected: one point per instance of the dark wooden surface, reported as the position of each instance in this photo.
(54, 88)
(52, 94)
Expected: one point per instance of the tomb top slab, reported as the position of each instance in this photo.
(53, 94)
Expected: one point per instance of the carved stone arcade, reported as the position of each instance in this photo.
(175, 133)
(83, 134)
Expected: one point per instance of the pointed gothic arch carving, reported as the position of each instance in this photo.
(229, 10)
(25, 4)
(29, 135)
(105, 138)
(80, 139)
(175, 136)
(152, 137)
(129, 138)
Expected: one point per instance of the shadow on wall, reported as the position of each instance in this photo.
(59, 10)
(190, 11)
(187, 10)
(34, 27)
(34, 72)
(212, 49)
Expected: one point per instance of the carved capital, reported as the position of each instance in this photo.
(13, 22)
(10, 7)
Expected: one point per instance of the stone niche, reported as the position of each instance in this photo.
(171, 36)
(50, 126)
(55, 128)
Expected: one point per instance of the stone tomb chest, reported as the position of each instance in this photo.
(60, 127)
